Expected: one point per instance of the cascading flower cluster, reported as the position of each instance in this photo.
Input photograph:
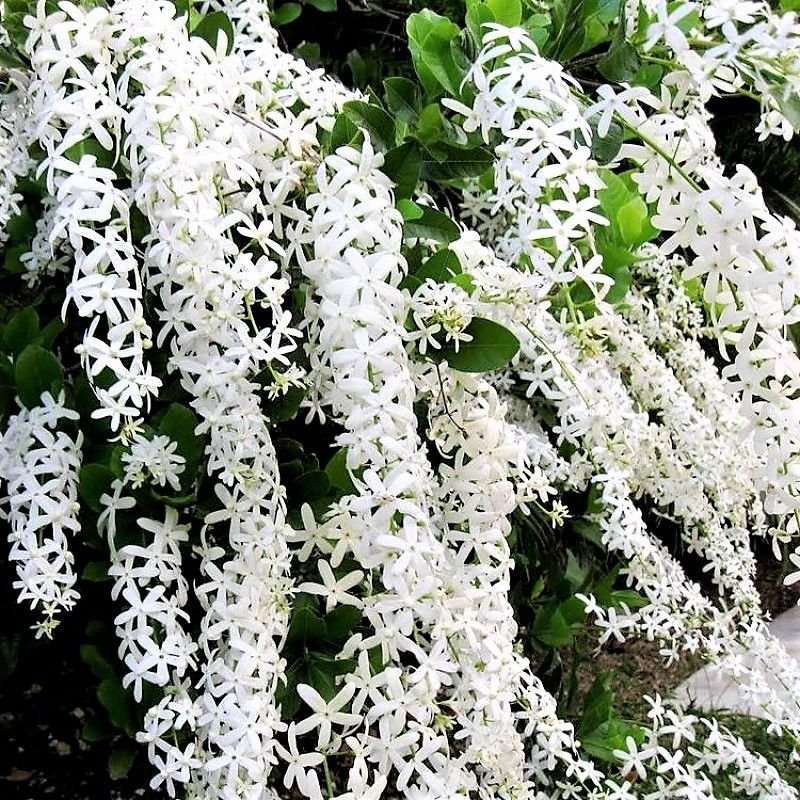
(236, 235)
(39, 464)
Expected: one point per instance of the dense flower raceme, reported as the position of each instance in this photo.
(722, 47)
(39, 464)
(204, 203)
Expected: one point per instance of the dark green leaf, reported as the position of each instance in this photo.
(37, 371)
(440, 267)
(451, 162)
(179, 425)
(309, 487)
(597, 706)
(9, 655)
(605, 148)
(306, 626)
(402, 98)
(621, 63)
(96, 729)
(21, 330)
(432, 225)
(341, 622)
(550, 627)
(323, 5)
(90, 147)
(409, 210)
(94, 480)
(402, 164)
(120, 761)
(344, 132)
(97, 662)
(492, 347)
(375, 121)
(96, 571)
(337, 472)
(212, 26)
(117, 702)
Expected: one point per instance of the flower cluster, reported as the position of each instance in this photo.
(39, 464)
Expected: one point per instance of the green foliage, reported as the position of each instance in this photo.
(213, 26)
(438, 60)
(36, 371)
(492, 347)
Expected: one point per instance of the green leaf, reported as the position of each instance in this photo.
(409, 210)
(631, 217)
(117, 702)
(433, 225)
(37, 371)
(97, 662)
(344, 132)
(605, 148)
(337, 472)
(478, 14)
(550, 627)
(96, 571)
(212, 26)
(310, 486)
(375, 121)
(323, 5)
(506, 12)
(441, 267)
(21, 330)
(96, 729)
(341, 622)
(631, 598)
(450, 162)
(9, 59)
(402, 164)
(431, 124)
(51, 331)
(94, 480)
(492, 347)
(431, 40)
(179, 424)
(90, 147)
(790, 5)
(621, 63)
(306, 625)
(120, 761)
(402, 98)
(597, 705)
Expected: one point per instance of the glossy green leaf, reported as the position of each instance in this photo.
(214, 25)
(94, 480)
(337, 472)
(402, 164)
(179, 424)
(492, 347)
(431, 39)
(447, 162)
(375, 121)
(21, 330)
(37, 371)
(433, 225)
(402, 98)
